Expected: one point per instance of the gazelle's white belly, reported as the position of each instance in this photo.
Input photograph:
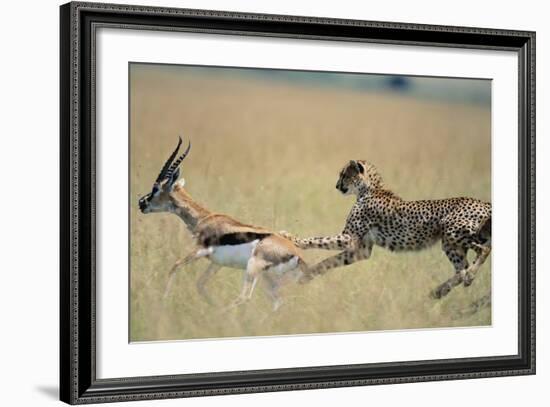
(235, 256)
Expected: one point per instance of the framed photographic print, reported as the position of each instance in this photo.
(256, 203)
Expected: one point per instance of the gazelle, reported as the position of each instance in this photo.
(223, 240)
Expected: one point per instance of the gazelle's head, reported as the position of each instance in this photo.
(158, 200)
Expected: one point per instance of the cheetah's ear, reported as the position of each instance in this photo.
(357, 166)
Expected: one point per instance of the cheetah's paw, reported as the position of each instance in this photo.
(286, 235)
(468, 279)
(440, 291)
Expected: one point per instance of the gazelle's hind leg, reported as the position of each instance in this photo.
(272, 286)
(251, 274)
(482, 252)
(273, 258)
(274, 281)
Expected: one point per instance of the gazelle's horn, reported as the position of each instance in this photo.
(166, 165)
(177, 163)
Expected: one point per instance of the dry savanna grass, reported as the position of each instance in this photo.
(269, 153)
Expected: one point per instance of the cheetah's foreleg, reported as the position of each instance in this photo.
(341, 259)
(343, 241)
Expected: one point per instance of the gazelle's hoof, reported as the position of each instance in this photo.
(276, 305)
(204, 295)
(233, 305)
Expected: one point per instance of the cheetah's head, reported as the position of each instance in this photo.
(357, 177)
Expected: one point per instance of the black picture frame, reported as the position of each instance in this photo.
(78, 382)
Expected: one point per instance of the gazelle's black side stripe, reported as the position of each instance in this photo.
(232, 239)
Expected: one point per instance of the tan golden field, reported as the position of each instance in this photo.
(269, 153)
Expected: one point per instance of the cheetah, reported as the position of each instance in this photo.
(380, 217)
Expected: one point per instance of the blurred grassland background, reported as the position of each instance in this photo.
(267, 149)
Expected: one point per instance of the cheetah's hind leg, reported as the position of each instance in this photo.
(443, 289)
(481, 244)
(457, 255)
(482, 252)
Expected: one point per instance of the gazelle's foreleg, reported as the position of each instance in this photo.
(347, 257)
(190, 258)
(342, 241)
